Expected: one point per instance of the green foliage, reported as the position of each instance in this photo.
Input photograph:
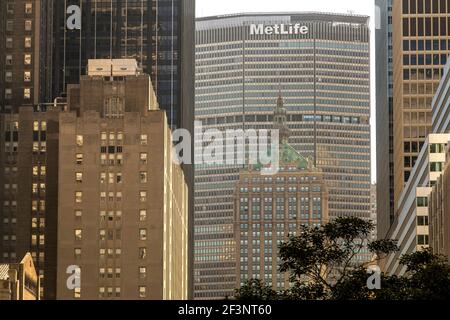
(322, 266)
(255, 290)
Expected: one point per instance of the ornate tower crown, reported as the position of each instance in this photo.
(280, 119)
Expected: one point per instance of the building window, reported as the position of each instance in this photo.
(436, 166)
(142, 272)
(9, 25)
(27, 59)
(27, 43)
(28, 8)
(9, 43)
(142, 292)
(143, 196)
(80, 140)
(27, 93)
(144, 139)
(144, 159)
(28, 25)
(422, 220)
(142, 253)
(8, 76)
(422, 240)
(143, 234)
(77, 253)
(143, 177)
(27, 76)
(78, 197)
(8, 94)
(114, 107)
(10, 8)
(142, 215)
(79, 177)
(77, 293)
(78, 235)
(119, 159)
(78, 214)
(8, 60)
(79, 158)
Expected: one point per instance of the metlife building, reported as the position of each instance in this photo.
(321, 65)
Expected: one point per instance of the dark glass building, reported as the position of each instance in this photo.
(157, 33)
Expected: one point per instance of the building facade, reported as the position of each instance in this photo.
(19, 281)
(123, 203)
(20, 52)
(411, 227)
(439, 212)
(28, 190)
(439, 209)
(385, 117)
(374, 209)
(322, 65)
(421, 44)
(269, 209)
(157, 33)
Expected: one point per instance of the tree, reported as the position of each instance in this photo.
(323, 261)
(428, 276)
(322, 265)
(255, 289)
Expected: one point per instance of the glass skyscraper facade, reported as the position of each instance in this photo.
(150, 31)
(324, 76)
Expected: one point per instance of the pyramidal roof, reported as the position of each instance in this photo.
(288, 156)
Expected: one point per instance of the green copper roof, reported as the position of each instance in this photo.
(288, 155)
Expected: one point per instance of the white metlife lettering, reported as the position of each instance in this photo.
(261, 29)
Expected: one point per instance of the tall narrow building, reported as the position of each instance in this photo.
(123, 202)
(385, 117)
(270, 208)
(421, 44)
(28, 190)
(20, 53)
(322, 63)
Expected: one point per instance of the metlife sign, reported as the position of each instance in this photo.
(281, 29)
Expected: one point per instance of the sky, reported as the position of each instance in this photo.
(364, 7)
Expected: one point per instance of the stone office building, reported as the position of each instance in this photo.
(123, 203)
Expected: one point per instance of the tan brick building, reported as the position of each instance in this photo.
(421, 45)
(123, 203)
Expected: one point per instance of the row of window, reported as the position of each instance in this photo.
(111, 196)
(110, 253)
(26, 93)
(113, 138)
(111, 292)
(11, 6)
